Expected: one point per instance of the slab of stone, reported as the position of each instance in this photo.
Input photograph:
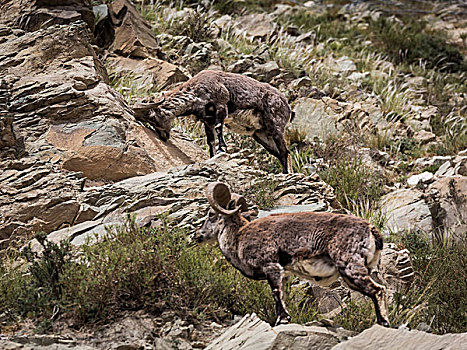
(406, 209)
(251, 333)
(292, 209)
(423, 178)
(381, 338)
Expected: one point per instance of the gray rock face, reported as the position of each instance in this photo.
(181, 193)
(406, 210)
(381, 338)
(439, 208)
(255, 25)
(38, 14)
(251, 333)
(36, 196)
(62, 106)
(396, 268)
(133, 35)
(150, 72)
(319, 117)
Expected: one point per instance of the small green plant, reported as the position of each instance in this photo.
(132, 268)
(302, 160)
(412, 41)
(352, 181)
(441, 279)
(262, 193)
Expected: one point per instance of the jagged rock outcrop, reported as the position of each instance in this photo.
(63, 108)
(321, 116)
(251, 333)
(378, 337)
(35, 195)
(181, 193)
(152, 73)
(31, 15)
(132, 35)
(61, 122)
(438, 208)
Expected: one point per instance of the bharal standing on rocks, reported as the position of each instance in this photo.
(254, 108)
(315, 246)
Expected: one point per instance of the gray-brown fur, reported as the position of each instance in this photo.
(211, 96)
(316, 246)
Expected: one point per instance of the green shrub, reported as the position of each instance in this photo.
(352, 180)
(262, 193)
(131, 268)
(411, 42)
(441, 267)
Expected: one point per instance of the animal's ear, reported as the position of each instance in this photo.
(240, 201)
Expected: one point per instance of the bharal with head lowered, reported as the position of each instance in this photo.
(246, 105)
(316, 246)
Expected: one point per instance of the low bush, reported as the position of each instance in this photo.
(353, 181)
(131, 268)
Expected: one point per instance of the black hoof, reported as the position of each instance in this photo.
(282, 320)
(385, 324)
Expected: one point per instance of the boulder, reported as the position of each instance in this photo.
(381, 338)
(396, 268)
(36, 196)
(448, 198)
(341, 65)
(265, 72)
(251, 333)
(318, 117)
(406, 210)
(420, 179)
(437, 209)
(257, 25)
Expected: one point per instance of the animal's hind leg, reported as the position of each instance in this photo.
(283, 153)
(275, 276)
(210, 138)
(357, 276)
(221, 113)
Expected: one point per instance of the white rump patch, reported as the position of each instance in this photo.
(243, 122)
(372, 255)
(321, 271)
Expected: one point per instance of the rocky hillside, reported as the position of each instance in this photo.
(380, 131)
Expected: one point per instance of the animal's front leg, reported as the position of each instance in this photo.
(210, 139)
(275, 276)
(221, 114)
(222, 147)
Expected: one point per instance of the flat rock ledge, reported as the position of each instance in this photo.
(251, 333)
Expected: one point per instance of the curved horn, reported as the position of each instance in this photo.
(144, 106)
(140, 106)
(218, 195)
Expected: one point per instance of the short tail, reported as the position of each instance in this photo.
(378, 238)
